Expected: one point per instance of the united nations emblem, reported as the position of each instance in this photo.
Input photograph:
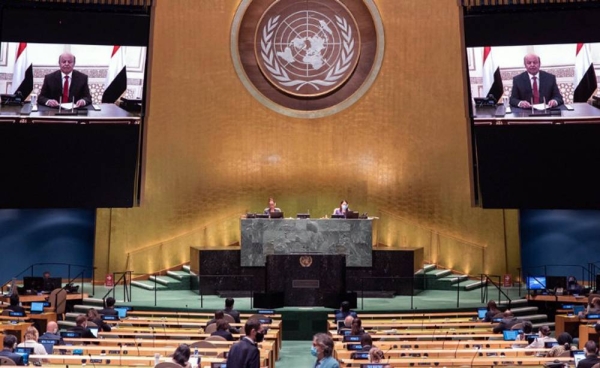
(306, 261)
(307, 58)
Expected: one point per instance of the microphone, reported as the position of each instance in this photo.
(153, 336)
(136, 346)
(387, 351)
(120, 354)
(92, 360)
(434, 329)
(474, 356)
(457, 346)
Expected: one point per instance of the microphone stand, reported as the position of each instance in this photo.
(474, 356)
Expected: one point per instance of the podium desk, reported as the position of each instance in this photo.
(350, 237)
(42, 298)
(582, 113)
(108, 113)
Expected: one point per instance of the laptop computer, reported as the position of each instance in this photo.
(578, 308)
(351, 215)
(276, 215)
(510, 335)
(531, 338)
(122, 311)
(578, 355)
(550, 344)
(37, 307)
(94, 331)
(25, 353)
(481, 313)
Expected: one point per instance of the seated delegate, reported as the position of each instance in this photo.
(342, 209)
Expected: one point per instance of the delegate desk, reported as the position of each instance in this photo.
(351, 237)
(108, 113)
(42, 297)
(581, 113)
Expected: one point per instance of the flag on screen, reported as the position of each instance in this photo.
(116, 79)
(492, 81)
(23, 72)
(585, 77)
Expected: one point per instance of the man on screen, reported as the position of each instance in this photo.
(65, 85)
(534, 85)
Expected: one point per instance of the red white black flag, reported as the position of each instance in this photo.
(585, 77)
(116, 79)
(492, 80)
(22, 73)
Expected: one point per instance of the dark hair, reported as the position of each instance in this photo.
(356, 326)
(10, 341)
(219, 314)
(80, 320)
(222, 325)
(110, 302)
(527, 327)
(366, 339)
(229, 302)
(325, 342)
(345, 306)
(182, 355)
(597, 328)
(14, 299)
(565, 340)
(491, 306)
(94, 314)
(251, 324)
(590, 347)
(545, 330)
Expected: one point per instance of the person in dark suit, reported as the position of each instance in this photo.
(223, 330)
(14, 304)
(245, 354)
(81, 327)
(591, 355)
(9, 343)
(523, 91)
(507, 322)
(77, 84)
(229, 310)
(110, 308)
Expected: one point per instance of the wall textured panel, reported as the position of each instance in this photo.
(213, 152)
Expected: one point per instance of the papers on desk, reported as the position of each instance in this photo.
(67, 105)
(541, 107)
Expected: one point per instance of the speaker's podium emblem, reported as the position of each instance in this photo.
(306, 261)
(307, 58)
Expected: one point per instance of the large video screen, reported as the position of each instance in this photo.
(532, 72)
(72, 113)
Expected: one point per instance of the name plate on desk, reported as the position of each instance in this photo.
(305, 284)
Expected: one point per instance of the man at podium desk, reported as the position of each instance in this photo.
(65, 85)
(535, 86)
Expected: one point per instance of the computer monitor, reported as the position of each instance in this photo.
(553, 282)
(52, 283)
(340, 324)
(578, 355)
(510, 335)
(37, 307)
(25, 353)
(536, 282)
(578, 308)
(122, 311)
(550, 344)
(481, 313)
(338, 216)
(48, 344)
(303, 215)
(531, 338)
(94, 331)
(33, 283)
(276, 215)
(351, 215)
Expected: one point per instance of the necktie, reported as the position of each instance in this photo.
(65, 95)
(536, 93)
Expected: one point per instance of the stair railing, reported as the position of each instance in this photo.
(31, 270)
(487, 280)
(126, 285)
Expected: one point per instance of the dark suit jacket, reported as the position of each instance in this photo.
(244, 354)
(85, 333)
(224, 334)
(13, 356)
(506, 324)
(232, 312)
(589, 361)
(52, 88)
(108, 312)
(521, 89)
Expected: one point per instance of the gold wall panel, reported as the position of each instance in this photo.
(214, 152)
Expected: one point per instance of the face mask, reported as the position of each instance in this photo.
(260, 337)
(344, 206)
(313, 351)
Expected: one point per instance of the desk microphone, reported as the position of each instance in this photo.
(445, 337)
(92, 360)
(474, 356)
(120, 354)
(434, 329)
(153, 336)
(387, 351)
(457, 346)
(136, 346)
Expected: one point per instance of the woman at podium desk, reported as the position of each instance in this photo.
(272, 207)
(342, 209)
